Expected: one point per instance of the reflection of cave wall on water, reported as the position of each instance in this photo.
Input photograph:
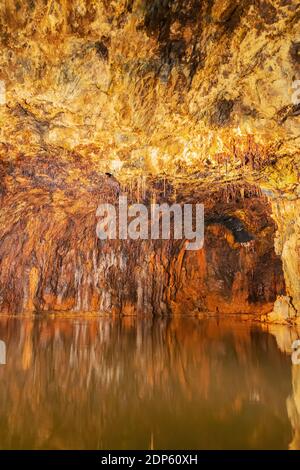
(51, 259)
(218, 373)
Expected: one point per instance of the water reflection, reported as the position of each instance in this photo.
(141, 383)
(285, 337)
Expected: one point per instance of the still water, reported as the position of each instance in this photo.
(181, 383)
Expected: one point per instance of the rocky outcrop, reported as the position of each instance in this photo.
(286, 212)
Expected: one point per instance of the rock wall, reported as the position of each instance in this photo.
(51, 259)
(195, 93)
(286, 212)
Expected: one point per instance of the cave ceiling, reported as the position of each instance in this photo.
(194, 91)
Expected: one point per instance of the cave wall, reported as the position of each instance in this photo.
(287, 244)
(51, 259)
(238, 270)
(195, 92)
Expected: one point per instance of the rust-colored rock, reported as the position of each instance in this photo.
(195, 93)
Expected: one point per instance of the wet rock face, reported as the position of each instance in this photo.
(229, 279)
(287, 244)
(52, 260)
(237, 270)
(197, 92)
(50, 256)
